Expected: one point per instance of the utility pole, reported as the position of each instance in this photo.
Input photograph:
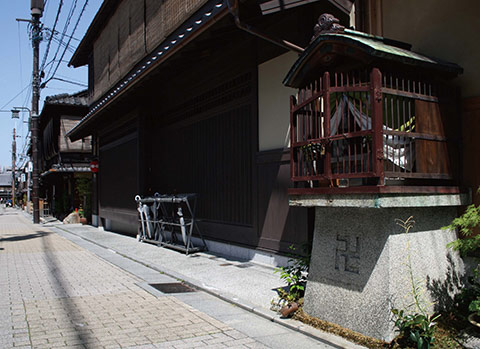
(14, 155)
(37, 11)
(29, 173)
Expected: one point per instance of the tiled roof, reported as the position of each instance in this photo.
(76, 99)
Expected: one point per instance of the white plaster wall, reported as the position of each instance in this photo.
(274, 102)
(441, 28)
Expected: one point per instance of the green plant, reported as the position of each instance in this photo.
(469, 242)
(312, 150)
(415, 325)
(83, 187)
(418, 328)
(474, 306)
(295, 274)
(466, 224)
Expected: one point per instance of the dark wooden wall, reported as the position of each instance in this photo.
(279, 225)
(195, 129)
(118, 178)
(203, 137)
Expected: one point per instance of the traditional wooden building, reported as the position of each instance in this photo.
(66, 175)
(186, 96)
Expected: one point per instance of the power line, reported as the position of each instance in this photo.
(73, 32)
(71, 79)
(50, 39)
(53, 61)
(67, 23)
(18, 94)
(63, 44)
(70, 82)
(57, 32)
(20, 53)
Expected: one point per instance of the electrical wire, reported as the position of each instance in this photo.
(18, 94)
(67, 23)
(63, 89)
(71, 79)
(70, 82)
(50, 39)
(66, 46)
(20, 54)
(70, 39)
(26, 143)
(52, 61)
(57, 32)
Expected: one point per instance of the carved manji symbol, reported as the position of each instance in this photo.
(347, 254)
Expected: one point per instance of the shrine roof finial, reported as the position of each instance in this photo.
(327, 23)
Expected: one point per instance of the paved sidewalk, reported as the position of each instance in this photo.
(78, 286)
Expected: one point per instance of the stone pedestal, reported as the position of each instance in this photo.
(358, 270)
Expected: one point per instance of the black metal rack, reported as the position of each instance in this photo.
(169, 221)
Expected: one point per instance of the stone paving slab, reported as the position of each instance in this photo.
(261, 329)
(235, 287)
(57, 294)
(96, 294)
(249, 282)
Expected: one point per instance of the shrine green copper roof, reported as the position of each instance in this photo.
(374, 47)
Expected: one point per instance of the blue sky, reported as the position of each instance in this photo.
(16, 63)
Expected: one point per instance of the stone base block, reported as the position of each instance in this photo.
(359, 268)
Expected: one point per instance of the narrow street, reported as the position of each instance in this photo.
(58, 294)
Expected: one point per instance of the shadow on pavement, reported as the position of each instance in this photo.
(60, 284)
(38, 234)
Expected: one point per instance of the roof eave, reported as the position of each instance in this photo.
(211, 13)
(358, 41)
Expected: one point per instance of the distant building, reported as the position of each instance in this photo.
(65, 165)
(6, 185)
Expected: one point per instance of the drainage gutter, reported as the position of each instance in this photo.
(234, 11)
